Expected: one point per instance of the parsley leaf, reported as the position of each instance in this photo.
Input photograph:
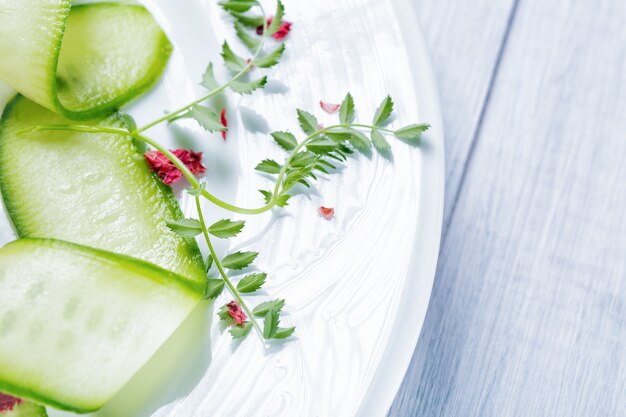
(262, 309)
(214, 288)
(383, 112)
(185, 227)
(346, 111)
(206, 118)
(283, 332)
(268, 166)
(308, 122)
(379, 141)
(270, 59)
(239, 260)
(270, 324)
(411, 132)
(286, 140)
(251, 282)
(226, 228)
(231, 60)
(248, 87)
(237, 332)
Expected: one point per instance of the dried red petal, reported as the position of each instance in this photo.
(281, 33)
(7, 403)
(329, 107)
(327, 212)
(167, 171)
(224, 122)
(236, 312)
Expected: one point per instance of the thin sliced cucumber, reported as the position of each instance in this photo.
(82, 62)
(21, 409)
(92, 189)
(76, 322)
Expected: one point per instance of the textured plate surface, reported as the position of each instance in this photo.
(358, 286)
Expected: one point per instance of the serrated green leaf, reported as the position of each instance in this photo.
(214, 288)
(344, 149)
(247, 20)
(346, 111)
(185, 227)
(262, 309)
(236, 6)
(251, 43)
(321, 168)
(283, 332)
(206, 118)
(302, 159)
(268, 166)
(321, 146)
(248, 87)
(226, 228)
(411, 132)
(308, 122)
(270, 324)
(209, 262)
(208, 78)
(270, 59)
(277, 20)
(231, 60)
(267, 195)
(379, 141)
(328, 164)
(251, 282)
(384, 111)
(224, 315)
(239, 260)
(237, 332)
(282, 199)
(285, 140)
(359, 141)
(339, 135)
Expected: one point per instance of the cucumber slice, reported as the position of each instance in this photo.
(76, 322)
(92, 189)
(82, 62)
(21, 408)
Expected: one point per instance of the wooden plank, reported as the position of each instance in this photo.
(528, 315)
(464, 40)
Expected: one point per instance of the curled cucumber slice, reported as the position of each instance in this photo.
(82, 62)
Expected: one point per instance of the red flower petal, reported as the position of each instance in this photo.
(329, 107)
(236, 312)
(224, 122)
(327, 212)
(281, 33)
(7, 403)
(167, 171)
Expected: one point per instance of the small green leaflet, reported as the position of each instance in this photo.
(251, 282)
(196, 192)
(346, 111)
(213, 289)
(308, 122)
(262, 309)
(282, 199)
(267, 195)
(129, 121)
(284, 332)
(286, 140)
(270, 324)
(359, 140)
(249, 87)
(209, 262)
(384, 111)
(249, 21)
(208, 79)
(244, 36)
(206, 118)
(268, 166)
(302, 159)
(226, 228)
(237, 332)
(225, 316)
(411, 132)
(277, 20)
(236, 6)
(379, 141)
(239, 260)
(231, 60)
(321, 146)
(185, 227)
(270, 59)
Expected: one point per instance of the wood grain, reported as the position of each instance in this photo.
(528, 314)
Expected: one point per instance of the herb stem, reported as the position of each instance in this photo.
(222, 272)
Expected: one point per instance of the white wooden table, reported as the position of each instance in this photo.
(528, 312)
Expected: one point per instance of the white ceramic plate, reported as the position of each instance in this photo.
(357, 287)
